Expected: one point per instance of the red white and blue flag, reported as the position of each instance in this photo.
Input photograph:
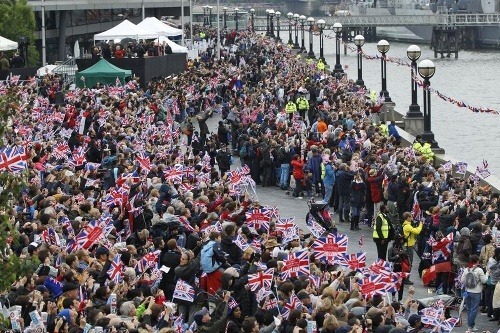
(184, 291)
(285, 223)
(372, 285)
(241, 242)
(261, 280)
(178, 324)
(13, 159)
(355, 261)
(297, 264)
(293, 303)
(441, 249)
(258, 218)
(144, 161)
(149, 260)
(115, 270)
(461, 168)
(327, 249)
(316, 229)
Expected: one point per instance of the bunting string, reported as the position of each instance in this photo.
(402, 62)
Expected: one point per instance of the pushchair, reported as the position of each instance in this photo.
(320, 213)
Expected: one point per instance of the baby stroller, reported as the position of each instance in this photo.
(320, 213)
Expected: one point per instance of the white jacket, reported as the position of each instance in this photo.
(478, 271)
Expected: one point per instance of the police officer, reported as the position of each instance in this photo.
(303, 105)
(382, 232)
(290, 109)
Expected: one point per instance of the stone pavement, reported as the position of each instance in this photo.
(291, 207)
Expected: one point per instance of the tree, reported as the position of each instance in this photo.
(17, 19)
(12, 266)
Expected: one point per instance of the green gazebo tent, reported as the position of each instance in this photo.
(103, 72)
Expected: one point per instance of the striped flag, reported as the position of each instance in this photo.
(184, 291)
(115, 270)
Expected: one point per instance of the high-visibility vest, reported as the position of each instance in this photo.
(384, 130)
(385, 227)
(427, 151)
(417, 146)
(320, 65)
(302, 103)
(290, 107)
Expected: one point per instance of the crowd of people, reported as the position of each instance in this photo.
(136, 216)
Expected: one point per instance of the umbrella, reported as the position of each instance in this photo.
(76, 50)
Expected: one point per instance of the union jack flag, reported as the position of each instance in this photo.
(285, 223)
(447, 166)
(78, 157)
(258, 218)
(90, 166)
(232, 304)
(115, 270)
(237, 176)
(144, 161)
(50, 237)
(416, 212)
(290, 234)
(381, 267)
(461, 168)
(175, 173)
(441, 249)
(178, 324)
(149, 260)
(483, 171)
(89, 235)
(328, 248)
(184, 291)
(372, 285)
(61, 150)
(113, 198)
(316, 229)
(315, 280)
(271, 303)
(297, 264)
(261, 294)
(13, 159)
(293, 303)
(125, 177)
(65, 223)
(354, 261)
(241, 243)
(185, 223)
(261, 280)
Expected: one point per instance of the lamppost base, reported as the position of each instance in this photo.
(296, 46)
(413, 125)
(386, 96)
(338, 69)
(311, 55)
(302, 50)
(360, 82)
(414, 112)
(429, 137)
(290, 42)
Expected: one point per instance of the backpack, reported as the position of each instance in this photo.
(207, 260)
(471, 279)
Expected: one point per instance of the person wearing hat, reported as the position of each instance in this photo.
(207, 324)
(415, 322)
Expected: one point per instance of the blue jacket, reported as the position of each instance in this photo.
(329, 179)
(393, 131)
(314, 164)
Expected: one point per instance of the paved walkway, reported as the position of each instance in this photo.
(291, 207)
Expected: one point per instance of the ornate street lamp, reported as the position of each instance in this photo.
(236, 10)
(296, 20)
(271, 19)
(290, 17)
(426, 69)
(205, 15)
(337, 28)
(210, 15)
(278, 28)
(302, 20)
(413, 52)
(310, 21)
(359, 41)
(321, 27)
(252, 19)
(383, 47)
(268, 22)
(224, 16)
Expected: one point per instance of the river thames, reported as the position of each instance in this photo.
(472, 79)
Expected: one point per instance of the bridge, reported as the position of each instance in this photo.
(451, 20)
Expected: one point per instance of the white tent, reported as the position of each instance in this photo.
(126, 29)
(176, 48)
(7, 44)
(153, 24)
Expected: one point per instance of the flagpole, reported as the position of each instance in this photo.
(218, 30)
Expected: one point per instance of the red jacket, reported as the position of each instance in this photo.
(376, 188)
(297, 169)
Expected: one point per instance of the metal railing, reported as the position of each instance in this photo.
(67, 69)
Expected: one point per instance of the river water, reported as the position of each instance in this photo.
(473, 78)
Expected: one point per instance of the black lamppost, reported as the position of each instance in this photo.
(224, 16)
(278, 15)
(426, 69)
(296, 20)
(359, 41)
(302, 20)
(383, 47)
(210, 15)
(252, 19)
(337, 28)
(268, 22)
(413, 52)
(290, 17)
(271, 20)
(236, 10)
(321, 27)
(310, 21)
(205, 15)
